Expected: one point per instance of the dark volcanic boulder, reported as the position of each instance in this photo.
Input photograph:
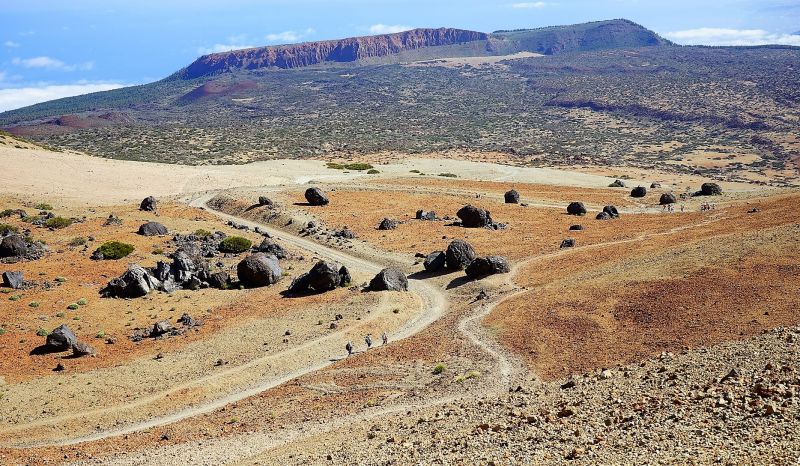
(435, 261)
(425, 215)
(13, 280)
(668, 198)
(299, 284)
(710, 189)
(639, 191)
(324, 276)
(259, 269)
(134, 283)
(60, 339)
(344, 277)
(512, 197)
(315, 196)
(655, 185)
(82, 349)
(568, 243)
(576, 208)
(219, 280)
(161, 328)
(459, 254)
(13, 246)
(152, 229)
(474, 217)
(611, 211)
(576, 227)
(388, 224)
(389, 279)
(271, 247)
(183, 266)
(265, 201)
(603, 216)
(490, 265)
(617, 184)
(148, 204)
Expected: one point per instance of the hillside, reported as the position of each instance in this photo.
(609, 93)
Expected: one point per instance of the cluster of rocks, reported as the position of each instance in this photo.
(426, 215)
(475, 217)
(323, 276)
(16, 247)
(344, 233)
(62, 338)
(200, 245)
(388, 224)
(460, 255)
(609, 212)
(268, 246)
(165, 328)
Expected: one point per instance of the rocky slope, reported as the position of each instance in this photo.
(312, 53)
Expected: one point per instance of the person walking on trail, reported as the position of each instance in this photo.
(368, 340)
(681, 207)
(349, 348)
(384, 338)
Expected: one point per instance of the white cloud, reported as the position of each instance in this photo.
(11, 44)
(388, 29)
(537, 5)
(2, 76)
(219, 48)
(723, 36)
(23, 96)
(287, 37)
(50, 64)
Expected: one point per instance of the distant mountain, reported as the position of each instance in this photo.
(428, 44)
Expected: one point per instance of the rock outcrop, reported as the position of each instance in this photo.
(312, 53)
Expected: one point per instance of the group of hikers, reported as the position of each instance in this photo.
(368, 340)
(706, 206)
(703, 207)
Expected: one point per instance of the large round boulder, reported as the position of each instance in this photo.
(389, 279)
(324, 276)
(60, 339)
(315, 196)
(13, 246)
(435, 261)
(134, 283)
(152, 229)
(474, 217)
(459, 255)
(639, 191)
(259, 269)
(512, 197)
(576, 208)
(148, 204)
(611, 211)
(668, 198)
(484, 266)
(710, 189)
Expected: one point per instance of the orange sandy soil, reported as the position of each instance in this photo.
(732, 276)
(531, 230)
(115, 317)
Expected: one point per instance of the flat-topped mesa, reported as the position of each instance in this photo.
(343, 50)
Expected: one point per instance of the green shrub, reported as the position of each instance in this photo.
(439, 369)
(59, 314)
(73, 307)
(235, 244)
(7, 213)
(6, 229)
(114, 250)
(77, 241)
(33, 304)
(82, 302)
(373, 172)
(42, 332)
(2, 331)
(350, 166)
(202, 233)
(335, 166)
(58, 222)
(415, 171)
(60, 279)
(100, 334)
(15, 297)
(43, 206)
(448, 175)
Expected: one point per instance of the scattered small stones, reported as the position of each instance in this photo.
(618, 184)
(112, 220)
(269, 246)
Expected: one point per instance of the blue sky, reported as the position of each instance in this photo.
(55, 48)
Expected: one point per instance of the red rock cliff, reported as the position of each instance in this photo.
(344, 50)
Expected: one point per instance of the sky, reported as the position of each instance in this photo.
(56, 48)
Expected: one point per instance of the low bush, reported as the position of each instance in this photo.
(448, 175)
(58, 222)
(350, 166)
(42, 332)
(77, 241)
(6, 229)
(114, 250)
(373, 172)
(73, 307)
(43, 206)
(439, 369)
(202, 233)
(235, 244)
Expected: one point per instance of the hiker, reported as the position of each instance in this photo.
(349, 348)
(368, 340)
(681, 207)
(384, 338)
